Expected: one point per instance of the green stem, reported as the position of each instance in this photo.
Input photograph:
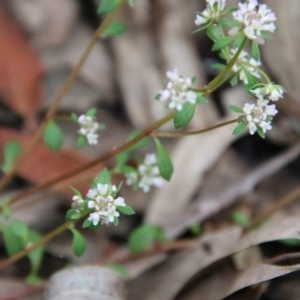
(61, 93)
(259, 70)
(54, 233)
(193, 132)
(110, 154)
(215, 83)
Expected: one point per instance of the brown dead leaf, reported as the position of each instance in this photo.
(159, 282)
(20, 72)
(43, 165)
(257, 274)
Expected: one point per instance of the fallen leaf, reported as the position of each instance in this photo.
(20, 72)
(158, 282)
(43, 165)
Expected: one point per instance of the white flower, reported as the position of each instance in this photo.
(177, 91)
(101, 199)
(88, 128)
(112, 213)
(256, 19)
(92, 138)
(94, 217)
(119, 202)
(211, 12)
(259, 115)
(245, 64)
(270, 91)
(77, 203)
(147, 174)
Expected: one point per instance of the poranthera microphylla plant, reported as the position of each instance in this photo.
(237, 34)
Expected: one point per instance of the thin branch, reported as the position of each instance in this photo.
(280, 204)
(61, 93)
(177, 134)
(91, 164)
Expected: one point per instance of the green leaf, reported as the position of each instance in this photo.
(219, 66)
(252, 80)
(235, 80)
(33, 279)
(82, 141)
(142, 143)
(75, 191)
(194, 79)
(116, 221)
(200, 99)
(74, 117)
(53, 137)
(261, 133)
(35, 256)
(241, 219)
(87, 223)
(91, 112)
(104, 177)
(184, 116)
(114, 29)
(222, 42)
(126, 210)
(119, 269)
(255, 50)
(240, 128)
(290, 242)
(121, 159)
(73, 215)
(164, 162)
(127, 169)
(20, 230)
(12, 243)
(101, 127)
(12, 150)
(106, 6)
(239, 39)
(131, 2)
(215, 32)
(6, 212)
(236, 109)
(144, 237)
(196, 229)
(229, 22)
(78, 243)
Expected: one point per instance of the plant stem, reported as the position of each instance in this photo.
(59, 96)
(54, 233)
(110, 154)
(281, 203)
(215, 83)
(176, 134)
(104, 157)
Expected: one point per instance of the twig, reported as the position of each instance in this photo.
(177, 134)
(61, 93)
(280, 204)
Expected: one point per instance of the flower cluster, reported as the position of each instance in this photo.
(147, 174)
(270, 91)
(256, 19)
(177, 91)
(260, 115)
(102, 203)
(88, 128)
(244, 65)
(211, 12)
